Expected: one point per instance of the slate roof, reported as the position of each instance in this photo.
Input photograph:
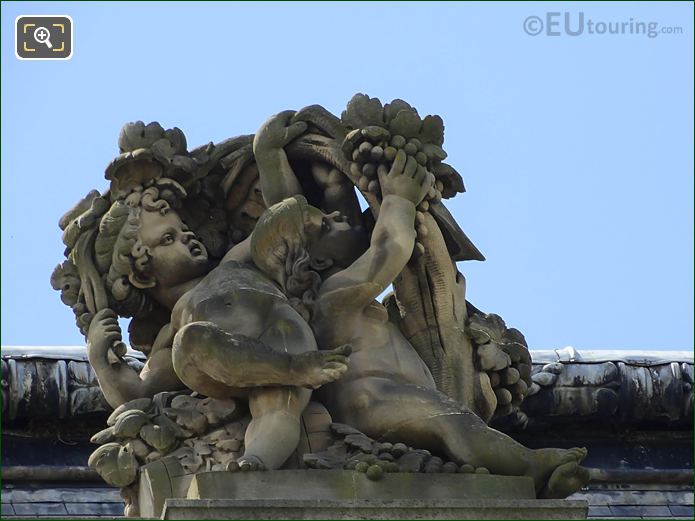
(625, 501)
(50, 412)
(81, 501)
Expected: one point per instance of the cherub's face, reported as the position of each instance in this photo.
(176, 256)
(330, 236)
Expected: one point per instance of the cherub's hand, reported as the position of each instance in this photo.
(103, 335)
(406, 179)
(278, 131)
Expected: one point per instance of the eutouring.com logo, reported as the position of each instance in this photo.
(578, 24)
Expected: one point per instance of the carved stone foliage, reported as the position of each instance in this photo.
(200, 433)
(204, 434)
(353, 450)
(503, 357)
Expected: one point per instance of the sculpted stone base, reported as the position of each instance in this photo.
(344, 494)
(375, 509)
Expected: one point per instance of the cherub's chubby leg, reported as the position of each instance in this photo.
(426, 418)
(194, 354)
(216, 363)
(275, 372)
(273, 433)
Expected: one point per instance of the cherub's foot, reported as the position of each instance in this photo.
(315, 368)
(565, 480)
(246, 464)
(548, 462)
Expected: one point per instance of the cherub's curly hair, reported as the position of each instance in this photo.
(278, 248)
(118, 251)
(104, 251)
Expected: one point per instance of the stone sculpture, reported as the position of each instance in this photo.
(251, 274)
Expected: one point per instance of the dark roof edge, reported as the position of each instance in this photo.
(565, 354)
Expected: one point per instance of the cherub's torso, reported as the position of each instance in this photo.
(234, 296)
(379, 349)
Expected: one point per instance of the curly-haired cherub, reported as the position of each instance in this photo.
(233, 332)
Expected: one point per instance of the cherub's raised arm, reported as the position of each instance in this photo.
(278, 181)
(393, 238)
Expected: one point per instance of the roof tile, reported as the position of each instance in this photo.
(39, 509)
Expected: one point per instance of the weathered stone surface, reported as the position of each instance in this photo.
(338, 484)
(318, 486)
(374, 509)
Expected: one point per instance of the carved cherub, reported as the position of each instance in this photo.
(388, 392)
(233, 333)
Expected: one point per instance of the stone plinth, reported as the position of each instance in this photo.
(341, 494)
(350, 485)
(374, 509)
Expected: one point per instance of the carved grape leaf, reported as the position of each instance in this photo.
(165, 422)
(160, 437)
(229, 445)
(217, 411)
(432, 130)
(163, 150)
(492, 358)
(452, 180)
(188, 418)
(435, 153)
(486, 328)
(177, 139)
(115, 464)
(138, 447)
(140, 404)
(104, 436)
(360, 441)
(406, 123)
(189, 460)
(66, 280)
(393, 108)
(216, 435)
(138, 135)
(128, 423)
(202, 448)
(514, 335)
(363, 111)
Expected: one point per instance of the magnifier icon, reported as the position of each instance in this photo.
(43, 35)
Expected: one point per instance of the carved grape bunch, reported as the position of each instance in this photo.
(380, 131)
(373, 147)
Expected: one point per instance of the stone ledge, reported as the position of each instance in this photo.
(374, 509)
(346, 485)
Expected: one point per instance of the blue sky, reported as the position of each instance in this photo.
(577, 151)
